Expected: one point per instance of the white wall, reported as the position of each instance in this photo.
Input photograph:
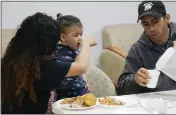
(94, 15)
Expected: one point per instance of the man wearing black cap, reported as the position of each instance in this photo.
(156, 38)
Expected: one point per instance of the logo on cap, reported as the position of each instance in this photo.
(148, 6)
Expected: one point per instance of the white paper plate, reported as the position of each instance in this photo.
(128, 102)
(155, 105)
(67, 106)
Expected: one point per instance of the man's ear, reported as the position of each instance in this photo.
(167, 18)
(62, 37)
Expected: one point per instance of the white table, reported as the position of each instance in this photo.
(136, 109)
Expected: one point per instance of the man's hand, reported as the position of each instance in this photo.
(141, 77)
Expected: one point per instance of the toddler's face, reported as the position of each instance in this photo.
(73, 36)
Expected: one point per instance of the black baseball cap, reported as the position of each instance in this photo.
(151, 8)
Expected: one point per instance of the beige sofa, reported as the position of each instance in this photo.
(7, 35)
(117, 40)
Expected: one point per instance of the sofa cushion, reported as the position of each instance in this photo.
(121, 35)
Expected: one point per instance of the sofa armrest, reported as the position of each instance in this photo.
(117, 50)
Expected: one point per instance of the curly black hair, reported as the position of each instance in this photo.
(35, 39)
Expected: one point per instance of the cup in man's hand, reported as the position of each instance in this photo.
(154, 75)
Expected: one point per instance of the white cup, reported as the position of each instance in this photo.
(154, 75)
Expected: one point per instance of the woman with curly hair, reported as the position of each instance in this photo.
(27, 69)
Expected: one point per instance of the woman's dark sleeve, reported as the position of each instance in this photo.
(52, 73)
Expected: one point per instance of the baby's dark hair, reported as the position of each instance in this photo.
(67, 21)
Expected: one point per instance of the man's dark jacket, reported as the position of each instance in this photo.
(144, 53)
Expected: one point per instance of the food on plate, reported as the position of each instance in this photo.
(111, 101)
(89, 99)
(85, 100)
(79, 102)
(68, 100)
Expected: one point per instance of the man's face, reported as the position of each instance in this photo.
(156, 29)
